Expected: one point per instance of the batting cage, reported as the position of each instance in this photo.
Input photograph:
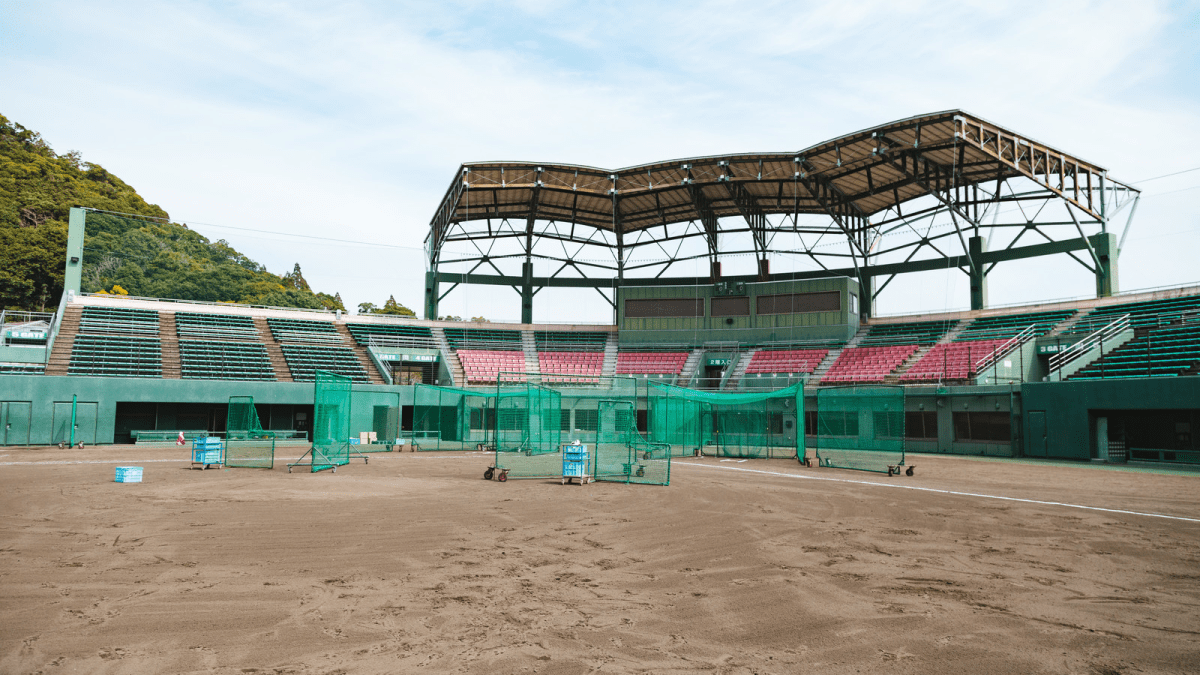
(528, 430)
(332, 414)
(860, 427)
(623, 455)
(451, 418)
(246, 444)
(758, 424)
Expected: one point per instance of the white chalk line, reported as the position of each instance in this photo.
(945, 492)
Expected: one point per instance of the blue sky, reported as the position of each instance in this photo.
(348, 119)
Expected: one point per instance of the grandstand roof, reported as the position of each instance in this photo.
(858, 175)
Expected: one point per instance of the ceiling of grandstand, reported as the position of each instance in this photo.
(849, 179)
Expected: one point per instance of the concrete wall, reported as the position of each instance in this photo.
(1060, 415)
(42, 403)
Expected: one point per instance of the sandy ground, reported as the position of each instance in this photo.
(414, 564)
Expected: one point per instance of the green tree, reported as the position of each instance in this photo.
(389, 307)
(141, 251)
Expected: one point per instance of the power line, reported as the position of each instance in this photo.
(1168, 175)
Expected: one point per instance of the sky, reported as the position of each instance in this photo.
(326, 133)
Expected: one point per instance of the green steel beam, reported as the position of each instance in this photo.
(1004, 255)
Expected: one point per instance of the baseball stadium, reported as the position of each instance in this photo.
(768, 474)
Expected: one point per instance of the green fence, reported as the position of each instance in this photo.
(859, 427)
(331, 423)
(758, 424)
(375, 413)
(528, 430)
(451, 418)
(246, 444)
(621, 453)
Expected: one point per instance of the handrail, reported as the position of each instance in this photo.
(1085, 345)
(1012, 343)
(400, 342)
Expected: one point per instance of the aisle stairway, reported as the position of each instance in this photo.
(60, 357)
(738, 369)
(364, 358)
(529, 345)
(169, 341)
(274, 353)
(690, 366)
(458, 375)
(610, 356)
(894, 376)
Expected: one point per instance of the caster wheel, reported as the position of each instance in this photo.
(80, 446)
(487, 474)
(910, 471)
(366, 460)
(641, 472)
(61, 445)
(503, 477)
(203, 467)
(289, 469)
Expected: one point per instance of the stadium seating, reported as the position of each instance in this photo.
(549, 341)
(305, 359)
(115, 356)
(587, 365)
(954, 361)
(483, 339)
(1141, 314)
(650, 363)
(304, 330)
(1010, 325)
(792, 361)
(22, 368)
(867, 364)
(899, 334)
(210, 360)
(119, 321)
(420, 337)
(193, 326)
(1153, 352)
(484, 365)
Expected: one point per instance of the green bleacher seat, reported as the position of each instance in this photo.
(565, 341)
(210, 360)
(1153, 352)
(1010, 325)
(914, 333)
(115, 356)
(1141, 314)
(483, 338)
(22, 368)
(304, 330)
(420, 337)
(304, 360)
(191, 325)
(119, 321)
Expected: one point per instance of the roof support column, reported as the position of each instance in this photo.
(979, 290)
(1105, 245)
(431, 294)
(527, 292)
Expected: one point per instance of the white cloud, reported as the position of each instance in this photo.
(349, 120)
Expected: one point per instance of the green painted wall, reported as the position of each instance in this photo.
(1066, 411)
(45, 401)
(840, 325)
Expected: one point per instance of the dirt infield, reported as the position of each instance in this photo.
(413, 563)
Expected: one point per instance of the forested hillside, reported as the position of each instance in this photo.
(141, 252)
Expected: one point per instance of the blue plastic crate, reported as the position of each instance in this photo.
(129, 474)
(207, 443)
(575, 459)
(206, 456)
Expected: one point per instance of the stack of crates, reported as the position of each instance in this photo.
(206, 452)
(575, 463)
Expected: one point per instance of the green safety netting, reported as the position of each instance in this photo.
(528, 430)
(758, 424)
(374, 420)
(331, 423)
(451, 418)
(859, 427)
(246, 444)
(621, 453)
